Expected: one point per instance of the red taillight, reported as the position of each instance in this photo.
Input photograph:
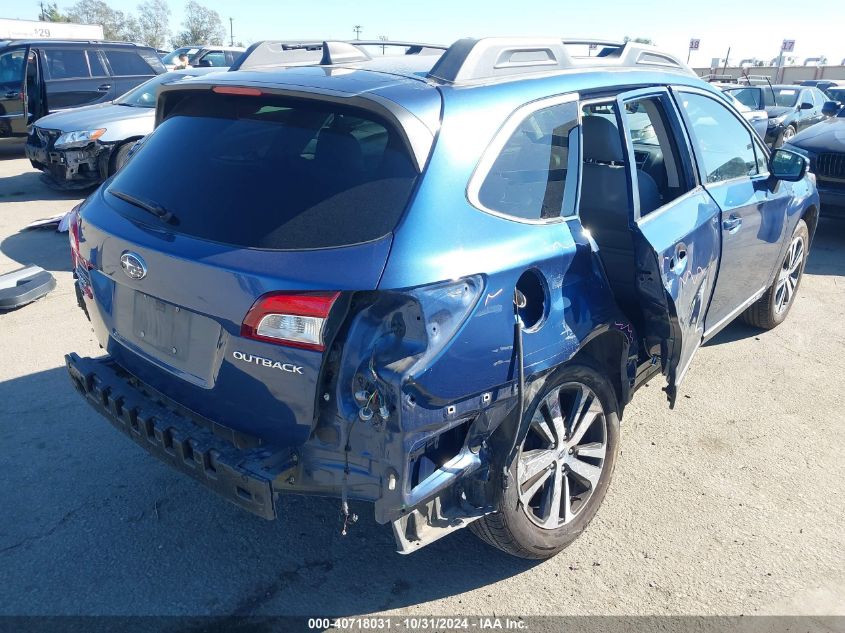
(237, 90)
(295, 319)
(73, 230)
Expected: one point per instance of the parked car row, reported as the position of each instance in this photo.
(42, 76)
(827, 86)
(432, 282)
(38, 77)
(81, 147)
(790, 109)
(202, 56)
(824, 147)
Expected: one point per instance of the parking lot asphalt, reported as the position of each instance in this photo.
(730, 504)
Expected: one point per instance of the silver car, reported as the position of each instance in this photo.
(81, 147)
(758, 119)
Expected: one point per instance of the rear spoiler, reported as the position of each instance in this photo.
(417, 136)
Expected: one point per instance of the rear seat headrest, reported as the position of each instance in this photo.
(602, 142)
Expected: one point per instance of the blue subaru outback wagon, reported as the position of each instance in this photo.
(431, 281)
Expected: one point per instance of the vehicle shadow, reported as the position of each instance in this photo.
(827, 256)
(42, 247)
(30, 186)
(736, 331)
(12, 150)
(151, 535)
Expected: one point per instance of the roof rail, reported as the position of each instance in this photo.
(70, 40)
(324, 53)
(478, 60)
(413, 48)
(714, 77)
(751, 79)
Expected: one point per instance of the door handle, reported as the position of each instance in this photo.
(104, 87)
(732, 224)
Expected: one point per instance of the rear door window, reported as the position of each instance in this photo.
(67, 63)
(128, 63)
(213, 58)
(96, 64)
(272, 173)
(661, 174)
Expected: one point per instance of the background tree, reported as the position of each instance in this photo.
(50, 13)
(117, 25)
(201, 26)
(153, 23)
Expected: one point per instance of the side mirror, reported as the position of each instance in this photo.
(830, 108)
(807, 106)
(788, 166)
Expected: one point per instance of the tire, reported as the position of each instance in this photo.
(118, 157)
(515, 527)
(788, 133)
(773, 307)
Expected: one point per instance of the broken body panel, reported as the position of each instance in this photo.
(418, 381)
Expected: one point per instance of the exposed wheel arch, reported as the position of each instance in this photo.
(811, 218)
(116, 151)
(608, 352)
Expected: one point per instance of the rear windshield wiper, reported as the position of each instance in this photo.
(147, 205)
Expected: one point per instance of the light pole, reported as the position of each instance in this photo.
(383, 38)
(357, 28)
(231, 34)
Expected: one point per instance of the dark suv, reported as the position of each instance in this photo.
(791, 109)
(428, 281)
(42, 76)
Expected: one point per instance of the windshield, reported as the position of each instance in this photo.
(749, 97)
(172, 57)
(144, 96)
(782, 97)
(272, 173)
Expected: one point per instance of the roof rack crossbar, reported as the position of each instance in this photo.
(478, 60)
(412, 46)
(321, 52)
(585, 41)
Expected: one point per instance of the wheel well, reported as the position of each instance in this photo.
(608, 353)
(116, 148)
(811, 217)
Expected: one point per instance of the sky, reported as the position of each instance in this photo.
(751, 29)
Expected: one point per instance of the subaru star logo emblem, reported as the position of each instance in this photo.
(133, 265)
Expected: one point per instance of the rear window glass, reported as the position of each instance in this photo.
(750, 97)
(528, 178)
(125, 63)
(265, 172)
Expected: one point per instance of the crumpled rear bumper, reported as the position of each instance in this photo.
(245, 477)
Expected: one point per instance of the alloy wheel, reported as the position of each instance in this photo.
(790, 274)
(562, 456)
